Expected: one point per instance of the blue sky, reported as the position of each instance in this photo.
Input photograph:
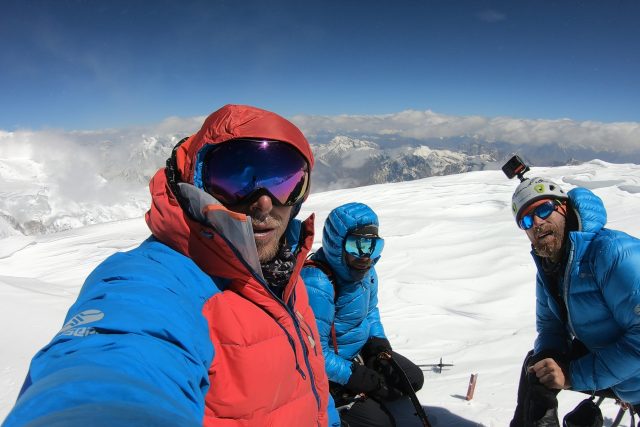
(98, 64)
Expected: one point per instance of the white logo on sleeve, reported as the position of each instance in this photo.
(74, 326)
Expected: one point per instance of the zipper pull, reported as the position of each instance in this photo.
(312, 342)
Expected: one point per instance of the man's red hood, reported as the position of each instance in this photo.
(239, 121)
(166, 218)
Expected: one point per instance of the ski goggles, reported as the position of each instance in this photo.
(234, 171)
(363, 246)
(542, 211)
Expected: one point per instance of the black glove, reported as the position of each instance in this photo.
(372, 348)
(393, 381)
(363, 379)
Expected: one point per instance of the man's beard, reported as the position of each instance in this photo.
(550, 246)
(268, 250)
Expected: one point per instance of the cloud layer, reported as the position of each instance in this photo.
(424, 125)
(420, 125)
(54, 179)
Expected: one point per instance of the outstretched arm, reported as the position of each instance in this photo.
(134, 349)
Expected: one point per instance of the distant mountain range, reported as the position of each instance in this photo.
(348, 162)
(100, 181)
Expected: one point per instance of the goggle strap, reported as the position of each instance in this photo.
(562, 207)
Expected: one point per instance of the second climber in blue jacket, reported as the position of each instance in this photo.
(342, 285)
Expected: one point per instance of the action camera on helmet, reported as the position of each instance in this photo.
(530, 190)
(515, 167)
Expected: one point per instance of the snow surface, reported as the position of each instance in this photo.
(456, 281)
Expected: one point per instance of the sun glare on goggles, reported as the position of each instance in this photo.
(234, 170)
(363, 246)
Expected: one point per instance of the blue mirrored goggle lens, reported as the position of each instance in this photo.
(543, 211)
(236, 169)
(364, 246)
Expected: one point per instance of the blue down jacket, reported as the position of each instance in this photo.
(354, 311)
(148, 305)
(601, 290)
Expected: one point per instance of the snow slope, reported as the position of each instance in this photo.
(457, 281)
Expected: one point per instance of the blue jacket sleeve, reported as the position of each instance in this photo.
(552, 334)
(334, 416)
(134, 347)
(616, 269)
(321, 299)
(373, 316)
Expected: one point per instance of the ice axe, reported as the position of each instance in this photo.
(436, 365)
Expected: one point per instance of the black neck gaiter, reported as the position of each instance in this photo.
(278, 270)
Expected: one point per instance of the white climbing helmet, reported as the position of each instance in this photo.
(533, 189)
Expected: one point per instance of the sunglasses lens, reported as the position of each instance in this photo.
(543, 212)
(235, 170)
(526, 222)
(364, 246)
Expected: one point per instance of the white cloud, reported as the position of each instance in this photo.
(94, 166)
(619, 136)
(78, 162)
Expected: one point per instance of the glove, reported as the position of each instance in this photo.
(372, 348)
(363, 379)
(392, 384)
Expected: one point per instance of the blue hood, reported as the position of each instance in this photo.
(339, 223)
(592, 216)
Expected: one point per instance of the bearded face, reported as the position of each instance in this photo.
(547, 236)
(268, 231)
(269, 223)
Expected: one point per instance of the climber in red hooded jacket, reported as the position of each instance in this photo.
(207, 322)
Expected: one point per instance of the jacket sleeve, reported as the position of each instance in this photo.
(334, 415)
(373, 315)
(616, 269)
(134, 350)
(321, 299)
(552, 333)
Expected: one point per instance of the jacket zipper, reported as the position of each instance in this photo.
(566, 288)
(307, 331)
(296, 324)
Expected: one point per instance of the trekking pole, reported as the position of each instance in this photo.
(618, 418)
(623, 408)
(408, 388)
(355, 400)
